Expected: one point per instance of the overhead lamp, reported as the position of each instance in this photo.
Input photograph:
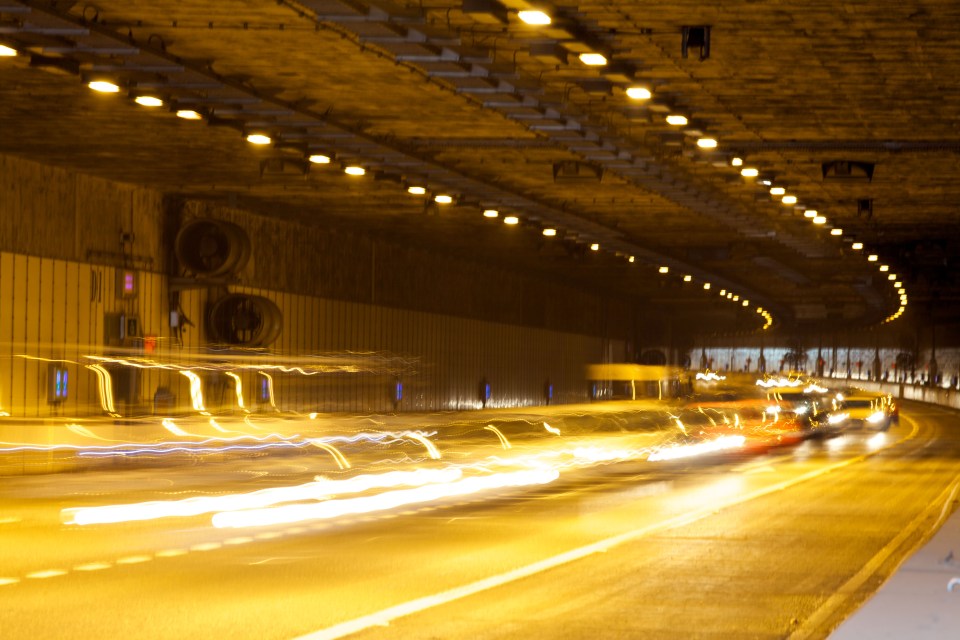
(884, 268)
(490, 213)
(631, 259)
(534, 17)
(749, 172)
(872, 257)
(706, 286)
(892, 277)
(511, 220)
(676, 120)
(707, 143)
(736, 162)
(664, 269)
(723, 292)
(820, 220)
(593, 59)
(810, 213)
(103, 86)
(639, 93)
(259, 138)
(687, 278)
(746, 303)
(417, 191)
(319, 158)
(766, 183)
(900, 286)
(443, 199)
(188, 114)
(354, 170)
(857, 246)
(789, 200)
(148, 101)
(736, 298)
(729, 296)
(7, 52)
(594, 247)
(836, 231)
(549, 232)
(777, 191)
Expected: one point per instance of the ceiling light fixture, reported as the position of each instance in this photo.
(707, 143)
(892, 277)
(490, 213)
(777, 191)
(259, 138)
(746, 303)
(549, 232)
(533, 17)
(789, 200)
(706, 286)
(901, 290)
(872, 257)
(7, 52)
(884, 268)
(319, 158)
(749, 172)
(511, 220)
(836, 231)
(103, 86)
(594, 247)
(676, 120)
(736, 298)
(593, 59)
(188, 114)
(631, 259)
(416, 191)
(664, 269)
(443, 199)
(820, 220)
(354, 170)
(857, 246)
(723, 292)
(148, 101)
(810, 213)
(736, 162)
(639, 93)
(687, 278)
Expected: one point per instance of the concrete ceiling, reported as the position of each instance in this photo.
(852, 107)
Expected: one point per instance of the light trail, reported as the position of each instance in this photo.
(503, 439)
(701, 448)
(341, 460)
(320, 489)
(432, 451)
(382, 502)
(552, 430)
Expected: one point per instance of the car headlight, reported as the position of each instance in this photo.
(837, 418)
(877, 417)
(802, 411)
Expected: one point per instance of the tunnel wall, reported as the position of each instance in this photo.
(64, 237)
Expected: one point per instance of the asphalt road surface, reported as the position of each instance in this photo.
(785, 543)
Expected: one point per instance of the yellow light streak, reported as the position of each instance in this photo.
(172, 428)
(552, 430)
(701, 448)
(105, 387)
(503, 439)
(86, 433)
(239, 389)
(196, 391)
(319, 489)
(422, 439)
(340, 459)
(382, 502)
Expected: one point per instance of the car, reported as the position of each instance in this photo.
(866, 410)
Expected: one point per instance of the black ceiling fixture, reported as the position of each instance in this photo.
(696, 37)
(865, 207)
(848, 170)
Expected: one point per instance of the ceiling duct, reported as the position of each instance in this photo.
(243, 320)
(848, 170)
(212, 248)
(485, 11)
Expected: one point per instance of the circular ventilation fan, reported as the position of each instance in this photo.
(244, 321)
(212, 247)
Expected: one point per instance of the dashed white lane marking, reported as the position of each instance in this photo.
(92, 566)
(238, 540)
(206, 546)
(134, 559)
(268, 535)
(10, 520)
(49, 573)
(6, 581)
(171, 553)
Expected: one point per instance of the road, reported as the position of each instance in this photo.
(779, 544)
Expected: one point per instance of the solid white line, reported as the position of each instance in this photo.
(384, 617)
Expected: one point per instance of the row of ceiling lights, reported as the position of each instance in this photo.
(262, 139)
(539, 18)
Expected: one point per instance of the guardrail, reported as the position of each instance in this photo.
(920, 393)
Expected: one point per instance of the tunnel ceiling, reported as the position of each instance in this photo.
(851, 107)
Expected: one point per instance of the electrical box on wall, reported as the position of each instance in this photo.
(127, 283)
(58, 383)
(120, 328)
